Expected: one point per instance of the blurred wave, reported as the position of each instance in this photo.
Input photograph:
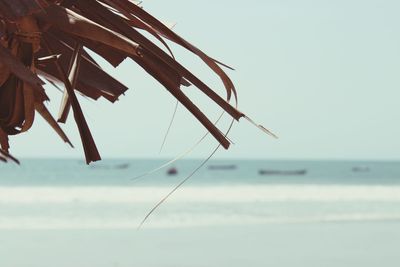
(97, 207)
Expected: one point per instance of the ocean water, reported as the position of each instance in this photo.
(227, 210)
(67, 194)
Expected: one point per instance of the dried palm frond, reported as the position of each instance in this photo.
(46, 38)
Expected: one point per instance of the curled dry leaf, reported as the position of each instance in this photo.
(47, 39)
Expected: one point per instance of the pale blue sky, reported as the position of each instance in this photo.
(323, 75)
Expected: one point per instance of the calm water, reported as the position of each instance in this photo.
(124, 172)
(67, 194)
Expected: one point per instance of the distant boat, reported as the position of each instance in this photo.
(172, 171)
(279, 172)
(222, 167)
(122, 166)
(361, 169)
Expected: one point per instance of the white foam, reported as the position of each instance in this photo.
(179, 221)
(125, 207)
(219, 194)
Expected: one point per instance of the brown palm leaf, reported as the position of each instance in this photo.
(46, 38)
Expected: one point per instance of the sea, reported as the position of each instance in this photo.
(131, 212)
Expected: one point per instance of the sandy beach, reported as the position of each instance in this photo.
(367, 244)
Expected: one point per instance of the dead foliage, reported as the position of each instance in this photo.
(43, 40)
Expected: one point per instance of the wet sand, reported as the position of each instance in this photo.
(352, 244)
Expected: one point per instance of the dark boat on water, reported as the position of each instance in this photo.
(284, 173)
(172, 171)
(361, 169)
(122, 166)
(222, 167)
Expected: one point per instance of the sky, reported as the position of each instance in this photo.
(322, 75)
